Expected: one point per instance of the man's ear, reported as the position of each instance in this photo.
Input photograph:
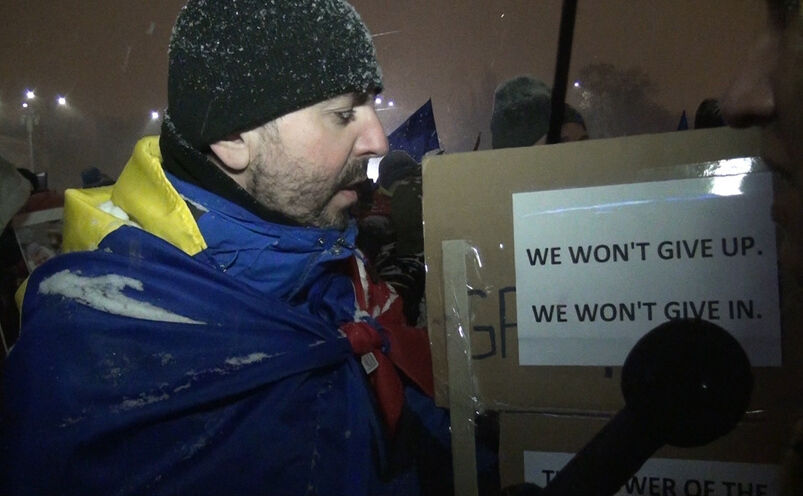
(232, 152)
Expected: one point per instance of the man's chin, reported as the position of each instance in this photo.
(334, 217)
(339, 223)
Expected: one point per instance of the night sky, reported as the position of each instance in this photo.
(109, 58)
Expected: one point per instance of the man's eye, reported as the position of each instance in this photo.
(345, 116)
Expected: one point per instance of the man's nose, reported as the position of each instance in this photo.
(749, 101)
(372, 140)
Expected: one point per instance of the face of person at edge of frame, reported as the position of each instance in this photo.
(769, 92)
(308, 164)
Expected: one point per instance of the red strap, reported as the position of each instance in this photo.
(385, 380)
(409, 351)
(408, 346)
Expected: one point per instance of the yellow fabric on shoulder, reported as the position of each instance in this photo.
(18, 295)
(146, 197)
(141, 197)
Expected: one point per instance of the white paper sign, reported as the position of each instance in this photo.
(671, 477)
(597, 268)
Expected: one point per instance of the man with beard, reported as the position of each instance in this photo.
(210, 328)
(768, 92)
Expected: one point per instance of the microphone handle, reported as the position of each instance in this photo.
(609, 459)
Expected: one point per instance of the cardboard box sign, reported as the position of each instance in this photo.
(746, 461)
(591, 245)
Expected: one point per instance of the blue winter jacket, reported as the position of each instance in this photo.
(185, 346)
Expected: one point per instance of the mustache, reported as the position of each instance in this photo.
(354, 172)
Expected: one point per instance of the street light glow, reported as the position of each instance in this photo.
(378, 100)
(391, 103)
(30, 95)
(24, 104)
(154, 115)
(62, 101)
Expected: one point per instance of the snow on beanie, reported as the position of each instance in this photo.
(521, 111)
(237, 64)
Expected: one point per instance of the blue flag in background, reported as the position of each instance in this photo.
(417, 135)
(683, 125)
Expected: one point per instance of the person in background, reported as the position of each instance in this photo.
(15, 190)
(18, 185)
(210, 328)
(708, 114)
(768, 92)
(574, 126)
(521, 112)
(392, 231)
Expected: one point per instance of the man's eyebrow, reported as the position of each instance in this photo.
(360, 98)
(348, 100)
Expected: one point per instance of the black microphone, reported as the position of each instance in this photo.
(685, 383)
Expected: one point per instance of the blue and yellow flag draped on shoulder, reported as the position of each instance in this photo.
(144, 368)
(171, 368)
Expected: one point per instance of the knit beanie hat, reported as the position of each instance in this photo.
(237, 64)
(522, 107)
(708, 114)
(397, 164)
